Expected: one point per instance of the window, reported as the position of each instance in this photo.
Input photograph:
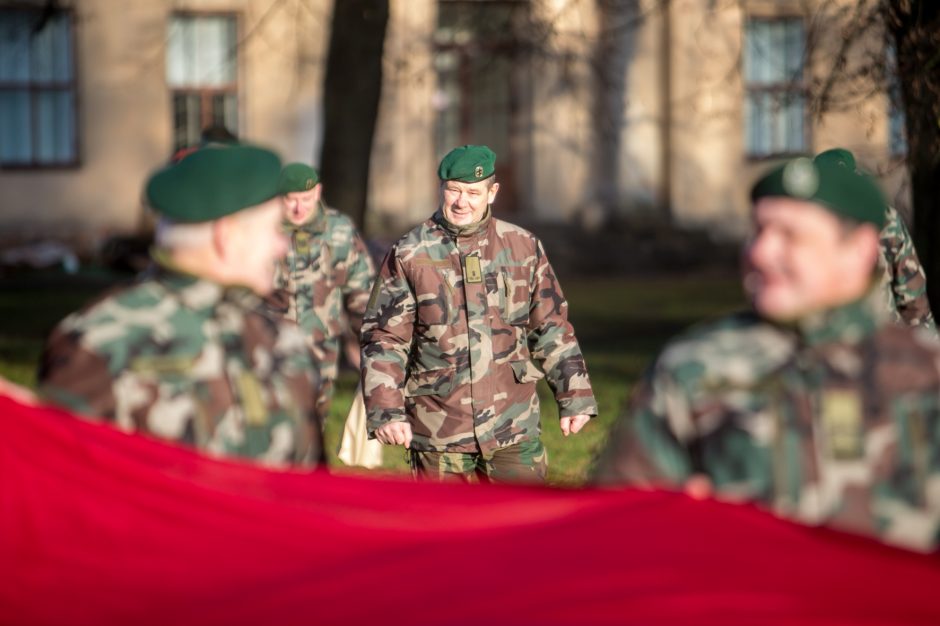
(775, 109)
(481, 80)
(202, 72)
(37, 89)
(897, 138)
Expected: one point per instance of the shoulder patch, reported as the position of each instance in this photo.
(163, 364)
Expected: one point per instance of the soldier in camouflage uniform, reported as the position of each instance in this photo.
(465, 317)
(903, 279)
(189, 354)
(327, 273)
(813, 403)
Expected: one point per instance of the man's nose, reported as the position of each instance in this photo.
(757, 249)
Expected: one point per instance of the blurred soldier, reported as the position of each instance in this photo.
(327, 273)
(904, 281)
(189, 354)
(814, 403)
(465, 317)
(214, 136)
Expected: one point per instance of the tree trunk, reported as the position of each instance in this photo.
(352, 89)
(914, 26)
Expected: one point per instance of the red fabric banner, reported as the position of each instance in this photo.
(100, 527)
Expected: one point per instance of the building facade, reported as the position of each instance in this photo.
(596, 108)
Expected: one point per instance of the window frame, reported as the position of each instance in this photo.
(898, 145)
(33, 88)
(206, 94)
(795, 87)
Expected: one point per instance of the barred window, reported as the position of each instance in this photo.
(38, 117)
(775, 107)
(202, 72)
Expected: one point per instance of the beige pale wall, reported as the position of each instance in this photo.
(282, 68)
(124, 106)
(707, 133)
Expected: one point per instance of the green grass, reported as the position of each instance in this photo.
(31, 303)
(620, 322)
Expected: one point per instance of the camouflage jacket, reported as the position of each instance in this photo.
(190, 361)
(461, 325)
(904, 281)
(327, 271)
(833, 421)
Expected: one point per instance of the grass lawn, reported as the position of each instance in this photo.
(620, 323)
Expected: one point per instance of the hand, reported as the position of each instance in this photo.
(20, 394)
(394, 434)
(698, 487)
(571, 425)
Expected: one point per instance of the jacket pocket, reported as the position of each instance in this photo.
(514, 285)
(436, 296)
(525, 371)
(430, 383)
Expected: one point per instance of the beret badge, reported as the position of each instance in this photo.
(800, 178)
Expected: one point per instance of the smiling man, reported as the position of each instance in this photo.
(465, 317)
(812, 403)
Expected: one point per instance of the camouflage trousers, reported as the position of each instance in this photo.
(525, 462)
(324, 401)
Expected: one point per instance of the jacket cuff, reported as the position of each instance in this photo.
(569, 407)
(380, 417)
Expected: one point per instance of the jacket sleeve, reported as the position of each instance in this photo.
(553, 345)
(645, 446)
(908, 281)
(75, 377)
(386, 337)
(357, 286)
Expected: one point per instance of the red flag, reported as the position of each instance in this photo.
(101, 527)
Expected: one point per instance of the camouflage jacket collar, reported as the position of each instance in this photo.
(315, 225)
(458, 232)
(849, 323)
(194, 291)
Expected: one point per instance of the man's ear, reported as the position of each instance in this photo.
(494, 189)
(317, 192)
(866, 240)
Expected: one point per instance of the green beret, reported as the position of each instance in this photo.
(467, 164)
(829, 183)
(297, 177)
(839, 156)
(214, 182)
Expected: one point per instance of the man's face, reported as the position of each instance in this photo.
(465, 203)
(800, 259)
(255, 243)
(300, 206)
